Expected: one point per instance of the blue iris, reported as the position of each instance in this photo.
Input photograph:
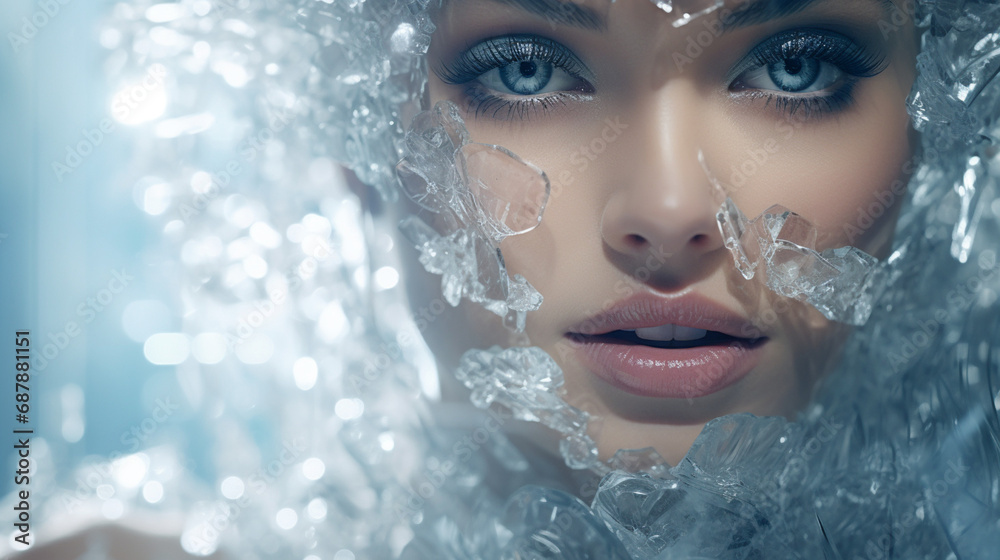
(794, 74)
(526, 77)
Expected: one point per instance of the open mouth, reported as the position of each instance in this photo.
(684, 346)
(709, 338)
(646, 362)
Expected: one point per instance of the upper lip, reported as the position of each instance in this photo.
(649, 310)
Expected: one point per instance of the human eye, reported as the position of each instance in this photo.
(809, 69)
(515, 76)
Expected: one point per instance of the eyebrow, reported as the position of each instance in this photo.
(561, 12)
(750, 12)
(755, 12)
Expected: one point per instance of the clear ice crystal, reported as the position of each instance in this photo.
(705, 507)
(841, 283)
(974, 182)
(481, 194)
(953, 105)
(542, 523)
(529, 383)
(645, 460)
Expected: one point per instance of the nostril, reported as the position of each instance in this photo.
(635, 240)
(699, 239)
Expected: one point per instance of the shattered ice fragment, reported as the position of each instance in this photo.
(481, 195)
(579, 451)
(841, 283)
(975, 181)
(512, 197)
(542, 522)
(529, 383)
(645, 460)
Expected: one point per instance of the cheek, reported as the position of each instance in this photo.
(846, 176)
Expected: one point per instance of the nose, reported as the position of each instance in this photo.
(663, 203)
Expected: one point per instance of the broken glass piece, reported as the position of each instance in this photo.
(481, 194)
(841, 283)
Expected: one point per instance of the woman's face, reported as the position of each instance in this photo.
(794, 103)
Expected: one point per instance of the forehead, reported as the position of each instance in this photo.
(594, 14)
(463, 20)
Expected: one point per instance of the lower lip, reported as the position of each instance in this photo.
(668, 373)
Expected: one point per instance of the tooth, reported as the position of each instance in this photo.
(688, 333)
(662, 332)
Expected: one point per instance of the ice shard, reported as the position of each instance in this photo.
(480, 195)
(842, 283)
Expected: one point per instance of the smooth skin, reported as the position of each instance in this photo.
(632, 208)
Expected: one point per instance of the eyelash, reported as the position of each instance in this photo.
(824, 46)
(498, 52)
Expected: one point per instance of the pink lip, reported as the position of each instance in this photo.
(668, 372)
